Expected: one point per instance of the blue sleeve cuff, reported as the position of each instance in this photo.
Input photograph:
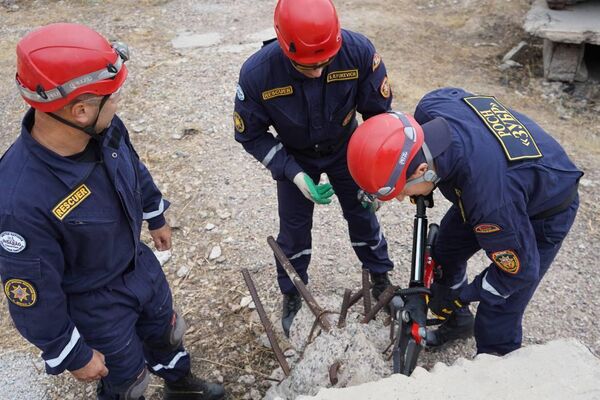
(157, 222)
(78, 358)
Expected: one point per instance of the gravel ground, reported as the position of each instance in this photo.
(178, 106)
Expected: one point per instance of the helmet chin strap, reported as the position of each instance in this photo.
(90, 129)
(429, 175)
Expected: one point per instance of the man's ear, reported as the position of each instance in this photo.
(419, 171)
(81, 112)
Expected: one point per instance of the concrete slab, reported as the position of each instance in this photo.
(558, 370)
(579, 23)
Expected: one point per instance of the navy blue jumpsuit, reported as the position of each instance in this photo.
(514, 195)
(73, 268)
(313, 119)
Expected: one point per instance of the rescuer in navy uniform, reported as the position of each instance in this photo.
(513, 191)
(308, 85)
(81, 285)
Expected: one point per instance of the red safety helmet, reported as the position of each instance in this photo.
(308, 31)
(58, 62)
(380, 152)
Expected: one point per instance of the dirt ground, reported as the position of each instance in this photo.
(223, 197)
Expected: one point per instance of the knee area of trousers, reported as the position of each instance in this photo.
(134, 390)
(173, 337)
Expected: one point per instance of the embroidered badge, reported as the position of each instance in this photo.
(376, 61)
(460, 204)
(385, 89)
(507, 260)
(238, 122)
(487, 228)
(12, 242)
(348, 117)
(515, 139)
(277, 92)
(20, 292)
(240, 93)
(346, 75)
(69, 203)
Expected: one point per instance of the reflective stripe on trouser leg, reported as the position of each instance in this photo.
(455, 244)
(498, 329)
(295, 224)
(168, 360)
(366, 237)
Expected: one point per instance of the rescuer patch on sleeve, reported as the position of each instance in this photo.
(69, 203)
(348, 117)
(277, 92)
(507, 260)
(385, 89)
(238, 122)
(515, 139)
(376, 61)
(487, 228)
(20, 292)
(346, 75)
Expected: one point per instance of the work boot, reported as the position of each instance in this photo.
(458, 326)
(291, 304)
(192, 388)
(380, 283)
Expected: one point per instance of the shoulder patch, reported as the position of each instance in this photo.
(20, 292)
(513, 136)
(69, 203)
(12, 242)
(347, 75)
(240, 93)
(385, 89)
(238, 122)
(376, 61)
(277, 92)
(348, 117)
(487, 228)
(507, 260)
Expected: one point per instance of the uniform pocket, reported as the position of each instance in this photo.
(20, 268)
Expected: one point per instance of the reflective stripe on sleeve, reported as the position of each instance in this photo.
(485, 285)
(269, 157)
(55, 362)
(152, 214)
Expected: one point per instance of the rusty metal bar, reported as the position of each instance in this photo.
(366, 285)
(333, 372)
(315, 308)
(266, 323)
(344, 311)
(385, 297)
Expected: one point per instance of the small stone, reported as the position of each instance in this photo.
(586, 182)
(221, 260)
(245, 301)
(183, 271)
(247, 379)
(223, 214)
(209, 227)
(289, 353)
(255, 394)
(162, 256)
(228, 240)
(215, 253)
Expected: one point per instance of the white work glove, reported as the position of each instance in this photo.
(320, 194)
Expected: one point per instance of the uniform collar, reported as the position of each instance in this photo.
(70, 172)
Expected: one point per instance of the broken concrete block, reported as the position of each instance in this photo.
(564, 61)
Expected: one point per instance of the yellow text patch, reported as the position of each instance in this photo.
(20, 292)
(347, 75)
(515, 139)
(69, 203)
(277, 92)
(507, 260)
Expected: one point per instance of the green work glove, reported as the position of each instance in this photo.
(368, 202)
(320, 194)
